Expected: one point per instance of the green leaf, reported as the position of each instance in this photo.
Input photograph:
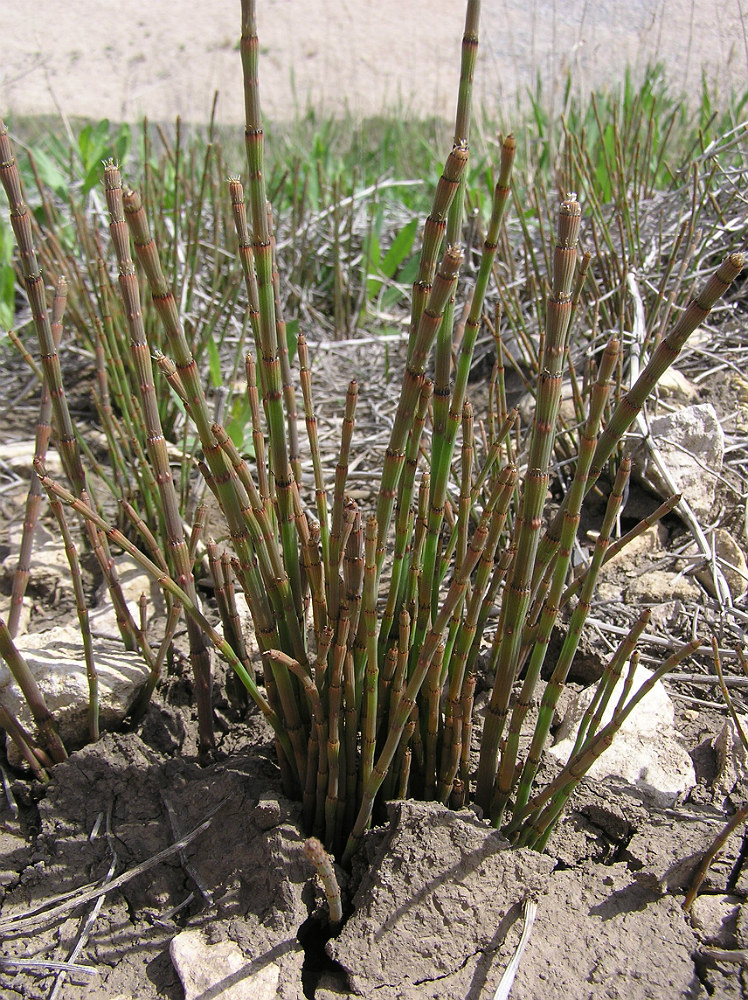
(84, 142)
(401, 247)
(7, 295)
(373, 283)
(94, 145)
(58, 149)
(122, 143)
(237, 424)
(391, 296)
(51, 174)
(214, 363)
(374, 251)
(292, 338)
(409, 270)
(93, 177)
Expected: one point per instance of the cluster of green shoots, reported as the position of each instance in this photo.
(369, 626)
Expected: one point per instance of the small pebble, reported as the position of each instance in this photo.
(267, 813)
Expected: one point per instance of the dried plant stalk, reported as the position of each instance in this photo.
(33, 501)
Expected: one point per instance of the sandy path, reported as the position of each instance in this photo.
(167, 57)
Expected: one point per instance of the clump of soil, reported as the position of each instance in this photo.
(433, 909)
(244, 877)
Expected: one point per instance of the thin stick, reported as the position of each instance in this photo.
(95, 909)
(44, 968)
(83, 620)
(183, 859)
(529, 912)
(711, 852)
(631, 404)
(181, 560)
(56, 907)
(167, 583)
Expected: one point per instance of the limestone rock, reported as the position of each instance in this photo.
(692, 445)
(19, 455)
(646, 751)
(134, 582)
(648, 545)
(638, 576)
(56, 660)
(661, 585)
(715, 918)
(668, 615)
(49, 565)
(732, 563)
(674, 387)
(220, 970)
(739, 385)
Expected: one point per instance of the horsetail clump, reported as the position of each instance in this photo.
(369, 626)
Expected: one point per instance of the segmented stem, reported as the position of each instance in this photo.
(322, 862)
(34, 498)
(181, 561)
(506, 647)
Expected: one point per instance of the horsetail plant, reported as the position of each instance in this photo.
(371, 626)
(155, 443)
(43, 718)
(34, 498)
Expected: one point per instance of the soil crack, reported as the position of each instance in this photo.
(313, 936)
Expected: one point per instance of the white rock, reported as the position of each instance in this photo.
(692, 445)
(716, 917)
(674, 387)
(645, 752)
(49, 565)
(731, 562)
(56, 660)
(50, 570)
(134, 581)
(219, 971)
(20, 457)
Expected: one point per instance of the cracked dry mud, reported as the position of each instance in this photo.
(433, 906)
